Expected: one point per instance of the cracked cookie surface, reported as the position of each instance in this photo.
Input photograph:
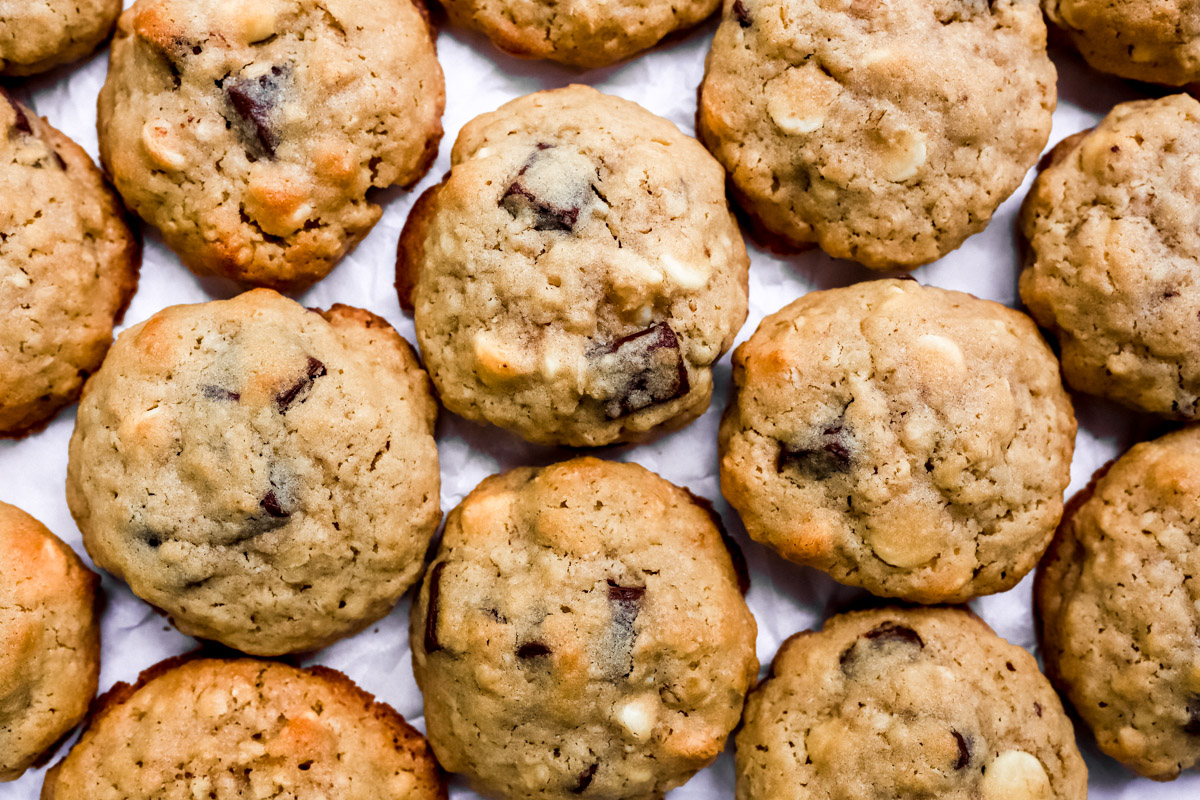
(906, 703)
(265, 474)
(68, 267)
(581, 633)
(49, 640)
(1114, 228)
(577, 273)
(37, 35)
(886, 132)
(251, 132)
(910, 440)
(577, 32)
(1119, 606)
(1148, 40)
(248, 729)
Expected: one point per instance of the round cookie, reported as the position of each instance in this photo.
(49, 641)
(577, 273)
(1114, 270)
(887, 133)
(68, 268)
(265, 474)
(579, 33)
(581, 633)
(37, 35)
(907, 703)
(1147, 40)
(910, 440)
(1120, 608)
(251, 132)
(244, 728)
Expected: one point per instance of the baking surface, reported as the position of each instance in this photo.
(785, 598)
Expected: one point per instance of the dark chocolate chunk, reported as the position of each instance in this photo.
(271, 504)
(255, 100)
(830, 455)
(213, 392)
(555, 210)
(879, 637)
(741, 13)
(1192, 726)
(626, 602)
(533, 650)
(1037, 707)
(640, 370)
(585, 779)
(22, 122)
(299, 389)
(431, 611)
(964, 750)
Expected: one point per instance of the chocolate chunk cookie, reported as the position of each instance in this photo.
(1114, 229)
(907, 703)
(1148, 40)
(244, 728)
(68, 267)
(251, 132)
(49, 641)
(581, 633)
(577, 273)
(265, 474)
(910, 440)
(885, 132)
(37, 35)
(1119, 604)
(582, 34)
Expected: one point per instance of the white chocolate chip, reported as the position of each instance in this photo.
(638, 716)
(685, 276)
(497, 364)
(904, 536)
(159, 140)
(903, 154)
(1015, 775)
(943, 352)
(799, 98)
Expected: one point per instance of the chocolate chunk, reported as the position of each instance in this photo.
(626, 602)
(585, 779)
(213, 392)
(271, 504)
(553, 186)
(964, 750)
(255, 101)
(1192, 726)
(533, 650)
(741, 13)
(828, 456)
(431, 611)
(299, 390)
(640, 370)
(21, 124)
(1037, 707)
(878, 638)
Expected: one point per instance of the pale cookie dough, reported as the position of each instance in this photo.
(68, 268)
(252, 132)
(1119, 602)
(1114, 230)
(49, 641)
(886, 132)
(248, 729)
(577, 273)
(906, 703)
(1147, 40)
(37, 35)
(265, 474)
(910, 440)
(581, 633)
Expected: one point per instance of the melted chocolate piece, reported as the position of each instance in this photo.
(432, 645)
(1192, 726)
(964, 750)
(560, 211)
(255, 100)
(299, 390)
(741, 13)
(585, 779)
(829, 456)
(641, 370)
(626, 602)
(533, 650)
(21, 125)
(212, 392)
(271, 505)
(880, 636)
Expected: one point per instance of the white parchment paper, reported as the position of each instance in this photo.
(785, 598)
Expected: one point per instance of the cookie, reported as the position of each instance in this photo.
(244, 728)
(265, 474)
(907, 703)
(910, 440)
(1147, 40)
(1114, 270)
(1120, 609)
(887, 133)
(37, 35)
(68, 268)
(49, 641)
(251, 132)
(577, 273)
(581, 633)
(579, 34)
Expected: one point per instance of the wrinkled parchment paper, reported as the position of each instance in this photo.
(785, 598)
